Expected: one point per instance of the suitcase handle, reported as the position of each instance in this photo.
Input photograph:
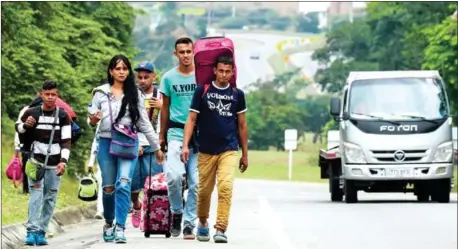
(214, 44)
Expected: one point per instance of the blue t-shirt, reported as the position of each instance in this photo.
(217, 112)
(179, 88)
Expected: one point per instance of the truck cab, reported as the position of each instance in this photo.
(395, 135)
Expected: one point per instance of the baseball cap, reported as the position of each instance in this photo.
(145, 65)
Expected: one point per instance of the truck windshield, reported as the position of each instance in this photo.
(398, 98)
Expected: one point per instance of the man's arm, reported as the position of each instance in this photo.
(164, 113)
(194, 111)
(243, 132)
(242, 124)
(65, 138)
(189, 128)
(17, 142)
(19, 125)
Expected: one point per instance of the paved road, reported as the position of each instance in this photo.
(250, 70)
(281, 215)
(304, 61)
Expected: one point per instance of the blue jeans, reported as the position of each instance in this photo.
(44, 194)
(142, 170)
(175, 170)
(116, 172)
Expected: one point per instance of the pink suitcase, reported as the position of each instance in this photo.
(156, 215)
(206, 50)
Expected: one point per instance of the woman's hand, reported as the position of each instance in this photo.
(159, 156)
(94, 119)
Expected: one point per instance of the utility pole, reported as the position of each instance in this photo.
(351, 12)
(209, 10)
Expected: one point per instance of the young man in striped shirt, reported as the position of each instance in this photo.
(38, 123)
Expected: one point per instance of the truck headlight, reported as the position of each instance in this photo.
(353, 153)
(444, 153)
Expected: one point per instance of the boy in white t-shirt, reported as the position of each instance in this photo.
(146, 162)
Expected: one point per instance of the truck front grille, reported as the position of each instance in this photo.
(387, 156)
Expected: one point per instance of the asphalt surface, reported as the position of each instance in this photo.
(282, 215)
(250, 70)
(304, 61)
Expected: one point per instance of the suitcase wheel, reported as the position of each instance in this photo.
(147, 234)
(168, 234)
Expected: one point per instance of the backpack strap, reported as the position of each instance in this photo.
(206, 86)
(51, 138)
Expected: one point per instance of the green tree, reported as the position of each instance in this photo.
(441, 54)
(68, 42)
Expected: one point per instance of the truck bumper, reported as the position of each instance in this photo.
(387, 172)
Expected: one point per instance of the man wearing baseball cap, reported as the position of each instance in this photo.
(145, 77)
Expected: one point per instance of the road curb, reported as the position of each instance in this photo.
(13, 235)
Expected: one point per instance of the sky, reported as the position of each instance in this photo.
(322, 6)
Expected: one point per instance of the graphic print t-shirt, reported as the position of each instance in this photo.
(179, 88)
(217, 112)
(141, 137)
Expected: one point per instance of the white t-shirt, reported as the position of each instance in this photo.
(141, 137)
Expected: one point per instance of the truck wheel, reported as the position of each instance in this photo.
(334, 187)
(336, 192)
(422, 191)
(441, 191)
(351, 194)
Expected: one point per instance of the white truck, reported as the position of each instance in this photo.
(395, 135)
(455, 144)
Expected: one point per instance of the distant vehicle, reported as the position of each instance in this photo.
(389, 137)
(255, 55)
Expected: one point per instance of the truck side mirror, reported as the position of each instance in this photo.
(335, 107)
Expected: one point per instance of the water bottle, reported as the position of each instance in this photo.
(91, 109)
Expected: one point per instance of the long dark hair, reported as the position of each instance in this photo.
(129, 88)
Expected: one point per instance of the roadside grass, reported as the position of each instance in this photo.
(14, 202)
(273, 165)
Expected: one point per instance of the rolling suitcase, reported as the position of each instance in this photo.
(156, 216)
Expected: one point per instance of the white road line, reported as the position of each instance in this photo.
(273, 225)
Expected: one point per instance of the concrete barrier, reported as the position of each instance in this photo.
(13, 235)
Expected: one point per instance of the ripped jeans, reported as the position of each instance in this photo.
(116, 172)
(43, 192)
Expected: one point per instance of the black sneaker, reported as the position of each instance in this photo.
(188, 233)
(176, 225)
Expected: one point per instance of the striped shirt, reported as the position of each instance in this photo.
(61, 141)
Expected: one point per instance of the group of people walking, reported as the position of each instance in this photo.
(200, 126)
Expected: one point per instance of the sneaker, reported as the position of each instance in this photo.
(136, 217)
(188, 233)
(176, 225)
(30, 239)
(220, 237)
(108, 233)
(41, 239)
(120, 237)
(203, 233)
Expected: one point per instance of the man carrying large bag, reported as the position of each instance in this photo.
(218, 109)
